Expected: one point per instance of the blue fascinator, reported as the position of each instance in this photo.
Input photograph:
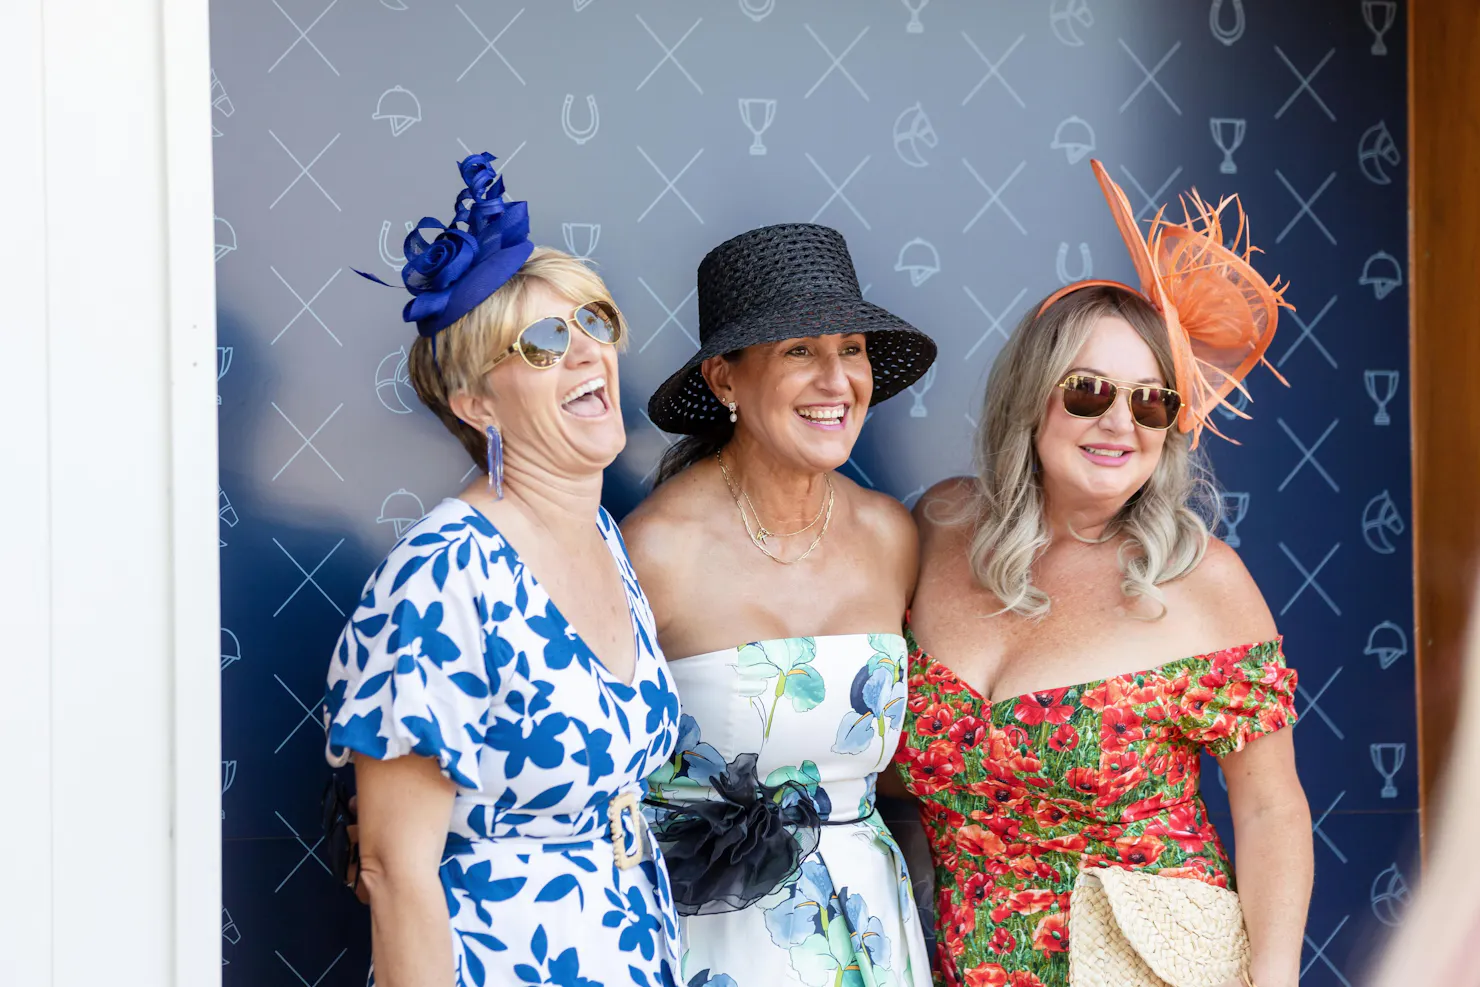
(468, 260)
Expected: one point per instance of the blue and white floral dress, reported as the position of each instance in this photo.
(457, 653)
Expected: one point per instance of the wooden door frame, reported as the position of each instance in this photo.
(1444, 318)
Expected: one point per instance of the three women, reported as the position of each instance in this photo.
(782, 584)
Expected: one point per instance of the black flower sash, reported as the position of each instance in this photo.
(726, 854)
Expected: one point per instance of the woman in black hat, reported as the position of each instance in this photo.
(778, 586)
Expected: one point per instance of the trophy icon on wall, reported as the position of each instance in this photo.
(918, 391)
(1387, 759)
(1385, 381)
(1374, 11)
(581, 233)
(1235, 507)
(749, 110)
(1228, 134)
(914, 26)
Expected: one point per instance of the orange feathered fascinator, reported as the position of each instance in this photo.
(1220, 313)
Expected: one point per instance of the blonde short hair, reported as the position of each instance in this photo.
(1165, 525)
(465, 350)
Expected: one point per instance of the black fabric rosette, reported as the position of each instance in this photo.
(726, 854)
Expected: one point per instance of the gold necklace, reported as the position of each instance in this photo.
(761, 531)
(758, 536)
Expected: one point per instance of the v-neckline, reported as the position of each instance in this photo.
(534, 583)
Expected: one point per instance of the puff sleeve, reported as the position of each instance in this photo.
(411, 673)
(1238, 695)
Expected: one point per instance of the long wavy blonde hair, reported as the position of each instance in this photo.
(1164, 528)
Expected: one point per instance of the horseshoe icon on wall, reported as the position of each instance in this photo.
(757, 11)
(1061, 265)
(1215, 21)
(580, 136)
(386, 254)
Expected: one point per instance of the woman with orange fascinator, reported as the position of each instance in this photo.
(1079, 638)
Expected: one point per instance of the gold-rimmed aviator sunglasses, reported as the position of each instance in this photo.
(543, 344)
(1091, 396)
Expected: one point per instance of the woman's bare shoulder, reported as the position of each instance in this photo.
(878, 512)
(679, 499)
(667, 519)
(1226, 598)
(883, 532)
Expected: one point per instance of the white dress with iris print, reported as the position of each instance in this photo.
(457, 653)
(824, 713)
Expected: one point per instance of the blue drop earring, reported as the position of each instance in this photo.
(495, 462)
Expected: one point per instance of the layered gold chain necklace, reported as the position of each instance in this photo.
(760, 533)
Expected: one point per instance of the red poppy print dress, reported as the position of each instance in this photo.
(1016, 796)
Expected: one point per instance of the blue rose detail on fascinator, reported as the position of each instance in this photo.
(468, 260)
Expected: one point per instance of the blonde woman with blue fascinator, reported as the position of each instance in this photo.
(499, 687)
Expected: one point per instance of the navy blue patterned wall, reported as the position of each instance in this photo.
(948, 140)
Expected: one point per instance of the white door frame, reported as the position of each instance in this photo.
(111, 769)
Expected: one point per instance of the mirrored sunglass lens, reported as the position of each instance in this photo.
(545, 342)
(1154, 407)
(600, 322)
(1086, 397)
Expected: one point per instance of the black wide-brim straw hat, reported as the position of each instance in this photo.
(784, 282)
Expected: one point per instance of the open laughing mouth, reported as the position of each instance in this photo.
(825, 416)
(587, 399)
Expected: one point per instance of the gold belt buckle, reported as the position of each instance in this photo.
(625, 802)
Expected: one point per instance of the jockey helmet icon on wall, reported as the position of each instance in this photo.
(400, 107)
(1075, 137)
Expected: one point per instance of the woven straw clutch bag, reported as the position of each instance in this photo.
(1134, 929)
